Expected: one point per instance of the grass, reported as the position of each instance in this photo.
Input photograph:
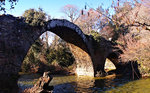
(138, 86)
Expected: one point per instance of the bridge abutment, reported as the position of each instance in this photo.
(84, 65)
(8, 83)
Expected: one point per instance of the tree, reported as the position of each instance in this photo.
(59, 52)
(88, 21)
(71, 12)
(3, 3)
(35, 17)
(64, 57)
(32, 59)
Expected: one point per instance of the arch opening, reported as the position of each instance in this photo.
(76, 40)
(48, 53)
(77, 43)
(112, 61)
(109, 67)
(16, 38)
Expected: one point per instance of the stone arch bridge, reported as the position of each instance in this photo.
(16, 37)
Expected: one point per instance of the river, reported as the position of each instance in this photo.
(85, 84)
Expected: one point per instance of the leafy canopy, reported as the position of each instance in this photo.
(35, 17)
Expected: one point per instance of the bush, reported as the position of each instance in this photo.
(35, 17)
(62, 56)
(31, 61)
(25, 67)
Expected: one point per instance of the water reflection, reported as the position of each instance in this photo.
(72, 84)
(82, 84)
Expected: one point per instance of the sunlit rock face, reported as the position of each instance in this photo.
(84, 65)
(109, 65)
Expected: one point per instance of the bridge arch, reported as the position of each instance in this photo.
(77, 41)
(16, 37)
(69, 32)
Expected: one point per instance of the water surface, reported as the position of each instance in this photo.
(85, 84)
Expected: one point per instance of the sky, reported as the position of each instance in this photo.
(53, 7)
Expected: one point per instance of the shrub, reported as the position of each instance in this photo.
(138, 51)
(35, 17)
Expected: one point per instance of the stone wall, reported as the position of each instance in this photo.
(16, 38)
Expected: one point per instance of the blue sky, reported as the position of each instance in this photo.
(53, 7)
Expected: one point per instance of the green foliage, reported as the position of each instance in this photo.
(32, 58)
(37, 46)
(64, 57)
(35, 17)
(51, 56)
(60, 53)
(25, 66)
(96, 36)
(96, 39)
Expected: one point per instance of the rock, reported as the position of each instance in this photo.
(101, 74)
(42, 85)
